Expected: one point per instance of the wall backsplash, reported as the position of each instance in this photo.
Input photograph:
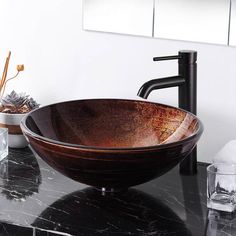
(63, 62)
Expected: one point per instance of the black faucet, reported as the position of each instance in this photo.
(186, 80)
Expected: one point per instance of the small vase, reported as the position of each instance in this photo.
(16, 138)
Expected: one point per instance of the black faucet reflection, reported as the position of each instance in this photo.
(130, 213)
(20, 175)
(186, 81)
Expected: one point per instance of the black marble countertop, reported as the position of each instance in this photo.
(37, 200)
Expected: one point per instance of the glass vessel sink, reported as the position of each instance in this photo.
(111, 144)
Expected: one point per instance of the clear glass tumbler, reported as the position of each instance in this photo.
(3, 143)
(221, 187)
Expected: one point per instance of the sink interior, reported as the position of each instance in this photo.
(112, 123)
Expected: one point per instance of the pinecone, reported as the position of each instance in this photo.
(17, 103)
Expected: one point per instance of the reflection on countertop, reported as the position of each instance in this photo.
(37, 200)
(20, 178)
(220, 223)
(130, 213)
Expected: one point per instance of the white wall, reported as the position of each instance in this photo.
(64, 62)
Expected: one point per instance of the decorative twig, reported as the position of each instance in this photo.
(4, 86)
(4, 79)
(3, 74)
(5, 71)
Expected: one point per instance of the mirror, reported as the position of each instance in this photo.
(119, 16)
(192, 20)
(208, 21)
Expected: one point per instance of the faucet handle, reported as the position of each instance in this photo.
(186, 56)
(165, 58)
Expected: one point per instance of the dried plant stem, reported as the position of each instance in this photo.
(4, 76)
(4, 86)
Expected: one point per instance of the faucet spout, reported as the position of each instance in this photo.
(155, 84)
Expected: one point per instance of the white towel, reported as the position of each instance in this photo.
(227, 155)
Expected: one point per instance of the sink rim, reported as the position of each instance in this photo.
(27, 131)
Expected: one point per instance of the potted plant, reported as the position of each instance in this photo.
(13, 107)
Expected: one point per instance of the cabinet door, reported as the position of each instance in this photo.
(119, 16)
(232, 34)
(193, 20)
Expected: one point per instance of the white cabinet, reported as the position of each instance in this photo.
(207, 21)
(119, 16)
(232, 33)
(193, 20)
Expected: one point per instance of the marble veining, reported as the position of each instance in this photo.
(37, 200)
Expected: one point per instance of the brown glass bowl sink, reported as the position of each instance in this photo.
(111, 143)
